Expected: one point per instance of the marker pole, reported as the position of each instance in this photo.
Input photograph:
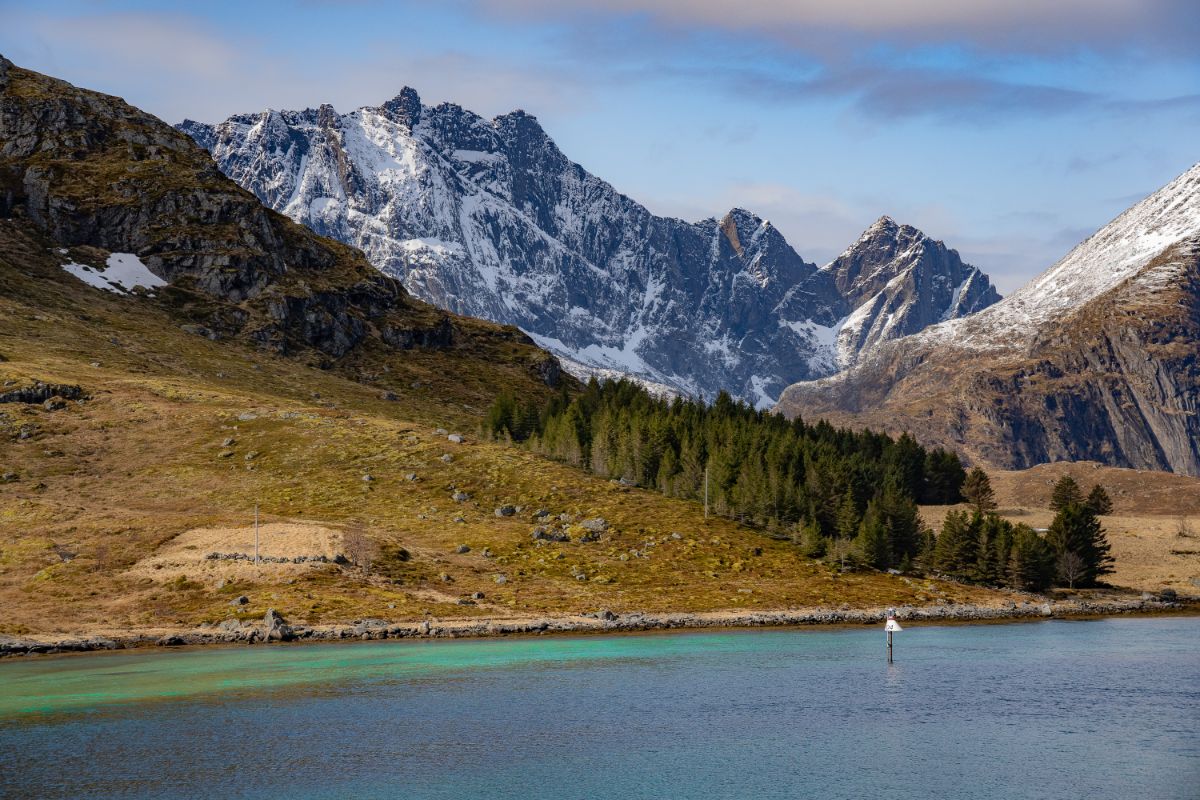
(889, 635)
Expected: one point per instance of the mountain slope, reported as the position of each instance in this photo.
(260, 366)
(1096, 359)
(490, 218)
(88, 170)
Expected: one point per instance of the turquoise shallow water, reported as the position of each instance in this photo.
(1097, 709)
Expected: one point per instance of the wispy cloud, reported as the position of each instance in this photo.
(1010, 26)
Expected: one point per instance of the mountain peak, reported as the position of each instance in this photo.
(405, 107)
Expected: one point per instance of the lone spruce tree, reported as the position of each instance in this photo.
(1099, 501)
(977, 488)
(1080, 547)
(1066, 492)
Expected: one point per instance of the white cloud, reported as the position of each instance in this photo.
(1009, 25)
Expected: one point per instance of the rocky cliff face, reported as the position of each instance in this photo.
(898, 281)
(87, 169)
(1098, 358)
(489, 218)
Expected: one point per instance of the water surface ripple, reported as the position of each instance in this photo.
(1096, 709)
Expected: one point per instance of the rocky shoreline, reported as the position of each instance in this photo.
(272, 628)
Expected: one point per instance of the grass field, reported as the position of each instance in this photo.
(1154, 529)
(104, 513)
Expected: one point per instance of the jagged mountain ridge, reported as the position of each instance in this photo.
(1097, 359)
(489, 218)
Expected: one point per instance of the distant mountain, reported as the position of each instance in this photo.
(1097, 358)
(899, 281)
(489, 218)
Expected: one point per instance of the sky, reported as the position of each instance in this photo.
(1010, 129)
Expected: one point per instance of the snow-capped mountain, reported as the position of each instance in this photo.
(1097, 358)
(899, 281)
(489, 218)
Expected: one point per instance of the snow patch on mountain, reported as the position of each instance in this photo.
(121, 274)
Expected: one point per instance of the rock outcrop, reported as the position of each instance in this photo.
(88, 170)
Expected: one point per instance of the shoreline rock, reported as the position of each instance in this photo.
(274, 629)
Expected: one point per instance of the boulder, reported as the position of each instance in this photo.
(275, 628)
(544, 534)
(463, 548)
(54, 403)
(456, 438)
(595, 524)
(240, 600)
(460, 497)
(506, 511)
(447, 458)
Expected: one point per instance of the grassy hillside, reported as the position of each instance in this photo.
(180, 433)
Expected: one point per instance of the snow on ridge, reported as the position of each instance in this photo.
(1105, 259)
(445, 203)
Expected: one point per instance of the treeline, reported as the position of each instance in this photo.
(980, 547)
(812, 482)
(849, 497)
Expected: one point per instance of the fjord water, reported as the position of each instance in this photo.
(1096, 709)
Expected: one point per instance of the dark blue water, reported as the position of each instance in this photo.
(1098, 709)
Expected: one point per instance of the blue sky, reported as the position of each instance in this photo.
(1010, 129)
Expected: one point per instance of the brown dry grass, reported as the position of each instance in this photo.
(186, 555)
(1150, 509)
(128, 476)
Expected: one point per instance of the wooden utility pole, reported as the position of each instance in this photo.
(256, 535)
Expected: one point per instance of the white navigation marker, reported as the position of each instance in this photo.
(891, 626)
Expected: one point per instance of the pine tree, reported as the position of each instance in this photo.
(1099, 501)
(977, 488)
(1066, 492)
(812, 543)
(957, 548)
(1031, 564)
(848, 518)
(871, 544)
(903, 523)
(1080, 547)
(944, 476)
